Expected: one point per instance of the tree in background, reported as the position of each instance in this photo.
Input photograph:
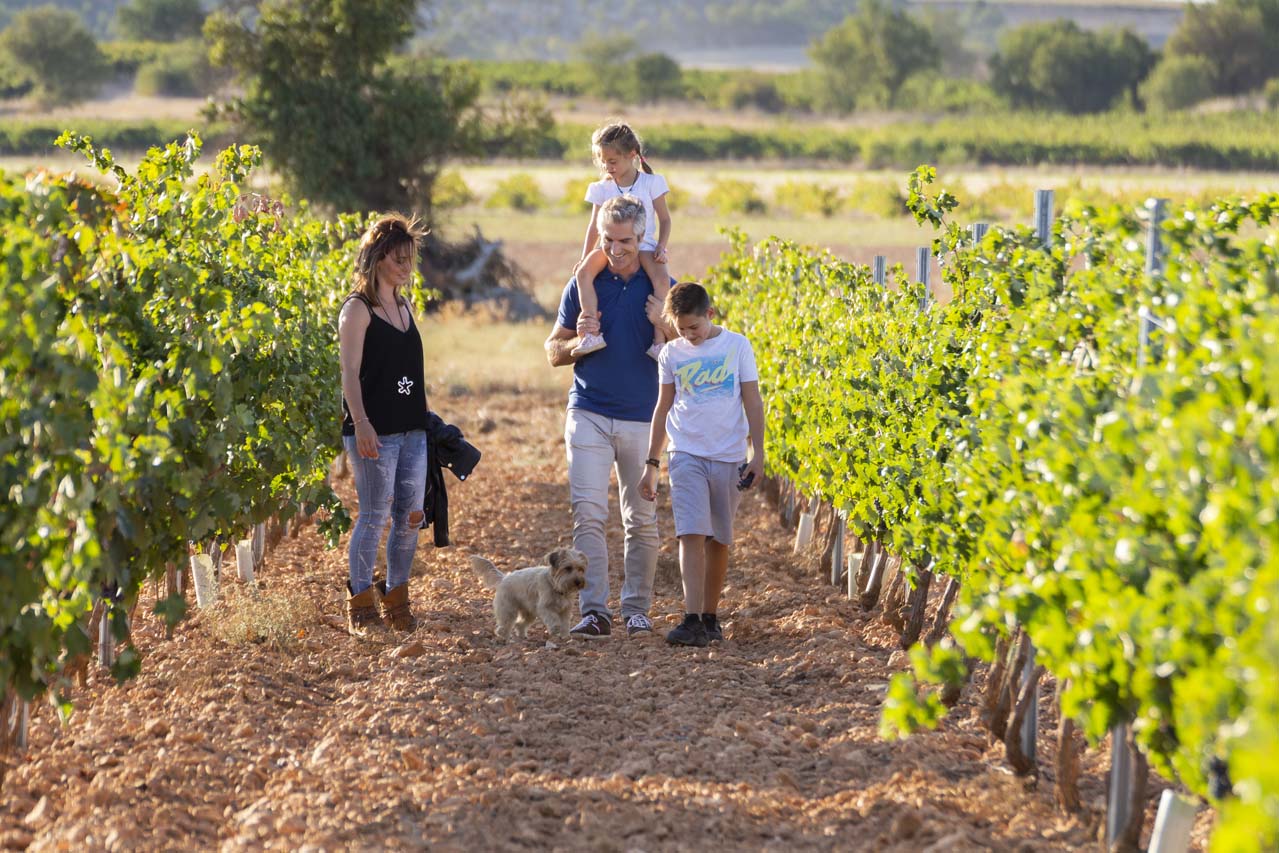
(348, 127)
(1058, 66)
(865, 60)
(1178, 83)
(160, 20)
(1240, 38)
(56, 52)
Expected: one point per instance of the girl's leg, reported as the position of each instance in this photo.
(716, 571)
(661, 278)
(591, 266)
(692, 568)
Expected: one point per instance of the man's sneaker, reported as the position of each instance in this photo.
(714, 630)
(690, 632)
(654, 351)
(589, 343)
(594, 626)
(638, 623)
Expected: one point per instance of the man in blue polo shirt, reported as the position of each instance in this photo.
(609, 409)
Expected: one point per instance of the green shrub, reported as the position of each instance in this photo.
(939, 93)
(124, 58)
(182, 71)
(54, 50)
(1271, 93)
(450, 191)
(801, 197)
(575, 194)
(1178, 83)
(879, 198)
(517, 192)
(728, 195)
(751, 90)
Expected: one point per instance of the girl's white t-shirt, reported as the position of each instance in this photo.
(647, 187)
(707, 418)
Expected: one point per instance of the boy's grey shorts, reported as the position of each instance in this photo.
(704, 496)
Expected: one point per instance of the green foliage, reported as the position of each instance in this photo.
(1178, 83)
(160, 20)
(575, 194)
(452, 192)
(166, 376)
(882, 199)
(56, 52)
(936, 92)
(1242, 140)
(655, 77)
(346, 127)
(517, 192)
(124, 58)
(1271, 94)
(865, 60)
(1056, 65)
(1240, 38)
(183, 70)
(1124, 515)
(731, 196)
(802, 197)
(35, 137)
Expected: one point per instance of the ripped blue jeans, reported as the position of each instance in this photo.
(391, 487)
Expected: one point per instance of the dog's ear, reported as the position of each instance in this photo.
(555, 559)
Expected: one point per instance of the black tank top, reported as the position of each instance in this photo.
(391, 380)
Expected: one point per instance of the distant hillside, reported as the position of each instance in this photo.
(743, 33)
(730, 33)
(97, 14)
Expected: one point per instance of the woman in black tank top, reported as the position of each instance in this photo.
(384, 417)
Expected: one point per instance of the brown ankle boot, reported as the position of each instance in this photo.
(361, 612)
(395, 607)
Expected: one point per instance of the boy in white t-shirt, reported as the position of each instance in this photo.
(710, 406)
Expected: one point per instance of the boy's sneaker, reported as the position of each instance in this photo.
(654, 351)
(638, 623)
(690, 632)
(594, 626)
(588, 344)
(714, 630)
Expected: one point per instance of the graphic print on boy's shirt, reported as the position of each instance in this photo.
(705, 379)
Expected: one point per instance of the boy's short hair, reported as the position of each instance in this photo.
(687, 298)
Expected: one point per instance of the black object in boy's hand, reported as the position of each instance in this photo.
(744, 483)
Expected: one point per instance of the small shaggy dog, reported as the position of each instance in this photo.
(547, 592)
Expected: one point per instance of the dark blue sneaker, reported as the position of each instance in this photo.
(714, 630)
(690, 632)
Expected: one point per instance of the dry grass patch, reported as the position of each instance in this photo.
(278, 619)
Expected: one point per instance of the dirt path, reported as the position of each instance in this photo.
(459, 743)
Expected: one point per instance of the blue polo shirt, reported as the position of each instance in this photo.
(619, 381)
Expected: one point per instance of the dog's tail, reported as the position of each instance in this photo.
(488, 573)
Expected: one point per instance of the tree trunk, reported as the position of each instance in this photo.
(1067, 787)
(895, 598)
(1021, 763)
(995, 679)
(917, 607)
(942, 620)
(1008, 690)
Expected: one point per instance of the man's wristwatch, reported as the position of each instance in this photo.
(656, 463)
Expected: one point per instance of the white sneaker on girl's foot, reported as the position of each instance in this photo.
(654, 351)
(590, 343)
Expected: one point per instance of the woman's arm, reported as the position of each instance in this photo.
(753, 403)
(353, 324)
(656, 441)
